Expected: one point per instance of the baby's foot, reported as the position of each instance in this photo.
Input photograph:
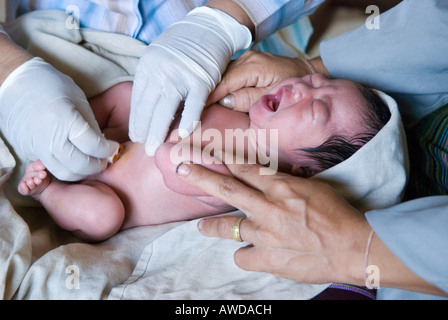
(35, 180)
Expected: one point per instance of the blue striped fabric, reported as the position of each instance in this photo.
(107, 15)
(146, 19)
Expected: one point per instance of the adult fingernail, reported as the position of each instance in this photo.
(200, 223)
(183, 169)
(228, 101)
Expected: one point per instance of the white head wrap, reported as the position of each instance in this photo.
(376, 175)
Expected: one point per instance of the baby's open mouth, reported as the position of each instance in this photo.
(273, 101)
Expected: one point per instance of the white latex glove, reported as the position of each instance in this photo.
(183, 64)
(45, 115)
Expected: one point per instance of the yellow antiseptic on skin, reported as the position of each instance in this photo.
(117, 155)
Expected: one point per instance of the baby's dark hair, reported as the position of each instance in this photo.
(338, 148)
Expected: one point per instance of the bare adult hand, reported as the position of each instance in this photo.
(254, 73)
(299, 229)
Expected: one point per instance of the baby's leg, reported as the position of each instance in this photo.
(91, 210)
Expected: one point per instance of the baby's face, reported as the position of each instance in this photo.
(307, 111)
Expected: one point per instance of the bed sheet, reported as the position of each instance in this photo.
(171, 261)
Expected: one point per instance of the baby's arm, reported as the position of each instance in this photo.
(111, 109)
(167, 158)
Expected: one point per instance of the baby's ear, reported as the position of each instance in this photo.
(303, 171)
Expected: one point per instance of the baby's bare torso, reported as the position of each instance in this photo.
(140, 184)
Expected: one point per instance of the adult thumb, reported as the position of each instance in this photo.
(242, 99)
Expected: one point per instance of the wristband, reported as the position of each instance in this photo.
(309, 66)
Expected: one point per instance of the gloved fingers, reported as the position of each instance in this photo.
(59, 169)
(194, 105)
(161, 121)
(77, 162)
(145, 96)
(88, 141)
(82, 105)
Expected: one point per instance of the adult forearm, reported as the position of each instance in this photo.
(393, 273)
(11, 56)
(388, 270)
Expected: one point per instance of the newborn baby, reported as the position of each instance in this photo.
(317, 123)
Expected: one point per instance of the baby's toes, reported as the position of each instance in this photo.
(23, 188)
(37, 181)
(31, 184)
(38, 166)
(39, 176)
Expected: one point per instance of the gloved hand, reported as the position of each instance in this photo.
(45, 115)
(184, 63)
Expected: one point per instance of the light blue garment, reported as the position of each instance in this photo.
(407, 58)
(146, 19)
(416, 232)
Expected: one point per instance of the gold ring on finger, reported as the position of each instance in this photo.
(236, 235)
